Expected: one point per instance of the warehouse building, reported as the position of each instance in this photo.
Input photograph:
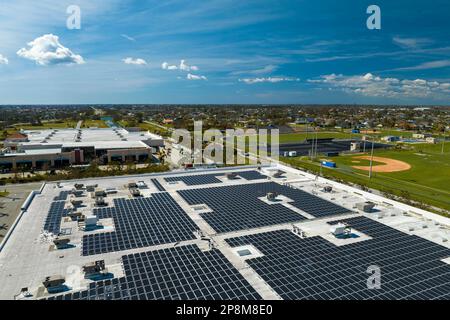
(41, 149)
(269, 232)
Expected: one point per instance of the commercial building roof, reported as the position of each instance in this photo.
(184, 236)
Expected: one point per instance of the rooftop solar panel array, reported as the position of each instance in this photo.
(202, 179)
(158, 185)
(53, 220)
(314, 268)
(237, 207)
(196, 180)
(140, 222)
(177, 273)
(62, 196)
(251, 175)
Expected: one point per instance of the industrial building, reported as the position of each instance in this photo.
(270, 232)
(43, 149)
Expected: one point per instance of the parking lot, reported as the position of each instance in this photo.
(10, 204)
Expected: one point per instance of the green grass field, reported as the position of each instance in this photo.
(427, 181)
(47, 125)
(94, 123)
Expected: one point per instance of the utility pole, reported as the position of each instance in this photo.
(371, 160)
(315, 148)
(443, 143)
(306, 130)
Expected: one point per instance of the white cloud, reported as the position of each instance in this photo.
(185, 67)
(137, 61)
(3, 60)
(167, 66)
(195, 77)
(268, 79)
(263, 70)
(427, 65)
(410, 42)
(47, 50)
(375, 86)
(127, 37)
(182, 66)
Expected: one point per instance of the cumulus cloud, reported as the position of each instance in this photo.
(375, 86)
(47, 50)
(185, 67)
(3, 60)
(136, 61)
(195, 77)
(167, 66)
(268, 79)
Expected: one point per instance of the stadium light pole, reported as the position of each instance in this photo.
(306, 130)
(371, 160)
(315, 149)
(443, 143)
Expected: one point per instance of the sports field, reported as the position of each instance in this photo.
(427, 180)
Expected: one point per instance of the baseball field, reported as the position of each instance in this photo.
(420, 173)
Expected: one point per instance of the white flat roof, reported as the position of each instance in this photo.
(87, 135)
(25, 259)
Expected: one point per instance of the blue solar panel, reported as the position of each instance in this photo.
(183, 272)
(62, 196)
(140, 222)
(314, 268)
(158, 185)
(53, 220)
(237, 207)
(196, 180)
(251, 175)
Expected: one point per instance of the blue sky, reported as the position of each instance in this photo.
(252, 51)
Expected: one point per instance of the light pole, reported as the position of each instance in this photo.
(443, 143)
(371, 160)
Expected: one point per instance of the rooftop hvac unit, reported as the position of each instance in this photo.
(76, 193)
(53, 281)
(91, 188)
(271, 196)
(99, 193)
(110, 190)
(61, 242)
(94, 268)
(278, 174)
(100, 201)
(231, 176)
(90, 221)
(365, 206)
(340, 230)
(141, 185)
(75, 215)
(135, 192)
(76, 202)
(132, 185)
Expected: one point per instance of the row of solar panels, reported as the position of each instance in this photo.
(296, 268)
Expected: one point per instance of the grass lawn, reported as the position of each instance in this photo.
(48, 125)
(4, 193)
(94, 123)
(427, 180)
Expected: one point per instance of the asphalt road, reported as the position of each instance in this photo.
(10, 205)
